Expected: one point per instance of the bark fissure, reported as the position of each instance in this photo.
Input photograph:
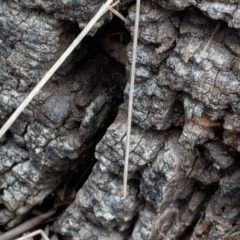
(184, 149)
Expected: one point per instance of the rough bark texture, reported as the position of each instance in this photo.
(184, 171)
(64, 121)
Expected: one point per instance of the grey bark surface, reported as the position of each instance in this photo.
(52, 135)
(184, 172)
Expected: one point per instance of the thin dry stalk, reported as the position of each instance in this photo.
(126, 21)
(106, 6)
(26, 226)
(34, 234)
(209, 41)
(46, 232)
(235, 234)
(111, 6)
(130, 101)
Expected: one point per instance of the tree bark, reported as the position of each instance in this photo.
(184, 177)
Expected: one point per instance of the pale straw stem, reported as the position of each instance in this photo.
(43, 81)
(130, 100)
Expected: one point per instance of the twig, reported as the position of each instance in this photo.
(209, 41)
(46, 232)
(127, 22)
(34, 234)
(24, 227)
(234, 234)
(111, 6)
(43, 81)
(130, 101)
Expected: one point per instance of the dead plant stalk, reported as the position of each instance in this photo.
(24, 227)
(105, 7)
(35, 233)
(130, 100)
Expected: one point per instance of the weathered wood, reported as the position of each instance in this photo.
(54, 68)
(183, 178)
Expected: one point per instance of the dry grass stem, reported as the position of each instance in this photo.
(34, 234)
(126, 21)
(46, 231)
(130, 101)
(26, 226)
(235, 234)
(209, 41)
(59, 62)
(112, 6)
